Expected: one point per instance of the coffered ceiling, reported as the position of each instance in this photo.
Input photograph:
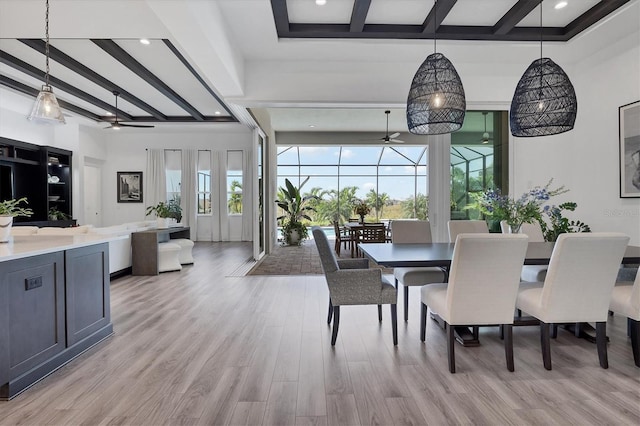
(497, 20)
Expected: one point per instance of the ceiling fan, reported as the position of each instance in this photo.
(389, 137)
(116, 125)
(485, 135)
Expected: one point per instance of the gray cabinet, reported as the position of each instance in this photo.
(52, 307)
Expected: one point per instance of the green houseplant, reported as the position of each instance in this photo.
(295, 208)
(166, 210)
(8, 210)
(55, 214)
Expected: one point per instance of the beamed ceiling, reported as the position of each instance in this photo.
(159, 83)
(493, 20)
(155, 82)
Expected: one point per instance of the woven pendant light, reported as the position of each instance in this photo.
(544, 102)
(436, 103)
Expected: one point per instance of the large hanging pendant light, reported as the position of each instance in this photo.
(436, 103)
(46, 108)
(544, 102)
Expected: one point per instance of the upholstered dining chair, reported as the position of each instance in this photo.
(625, 301)
(466, 227)
(530, 273)
(578, 286)
(482, 287)
(412, 232)
(351, 282)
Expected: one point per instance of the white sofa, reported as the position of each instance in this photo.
(119, 250)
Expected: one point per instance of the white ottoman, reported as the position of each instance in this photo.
(168, 257)
(185, 257)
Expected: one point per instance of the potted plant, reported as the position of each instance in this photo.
(295, 209)
(55, 214)
(8, 210)
(166, 212)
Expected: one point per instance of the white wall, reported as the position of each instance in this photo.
(126, 151)
(585, 159)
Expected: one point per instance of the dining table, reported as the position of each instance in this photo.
(396, 255)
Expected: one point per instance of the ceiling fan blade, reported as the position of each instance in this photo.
(142, 126)
(394, 135)
(396, 141)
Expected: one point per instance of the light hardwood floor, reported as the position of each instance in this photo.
(201, 347)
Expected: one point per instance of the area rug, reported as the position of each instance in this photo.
(294, 260)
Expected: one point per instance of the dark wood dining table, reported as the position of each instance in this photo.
(396, 255)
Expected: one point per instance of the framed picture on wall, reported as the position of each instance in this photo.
(629, 127)
(129, 187)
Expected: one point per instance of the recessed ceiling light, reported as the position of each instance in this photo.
(217, 113)
(109, 113)
(561, 4)
(321, 2)
(145, 41)
(312, 126)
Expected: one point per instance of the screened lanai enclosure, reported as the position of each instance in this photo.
(393, 179)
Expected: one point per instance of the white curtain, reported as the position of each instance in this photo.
(155, 183)
(247, 197)
(222, 195)
(216, 212)
(188, 189)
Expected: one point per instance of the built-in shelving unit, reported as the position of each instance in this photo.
(42, 174)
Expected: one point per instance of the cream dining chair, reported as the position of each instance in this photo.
(412, 232)
(578, 286)
(625, 301)
(466, 227)
(482, 287)
(530, 273)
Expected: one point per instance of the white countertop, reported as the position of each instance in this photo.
(33, 245)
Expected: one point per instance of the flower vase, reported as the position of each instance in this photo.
(515, 229)
(362, 219)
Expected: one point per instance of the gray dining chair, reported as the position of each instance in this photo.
(413, 232)
(481, 290)
(351, 282)
(625, 301)
(577, 288)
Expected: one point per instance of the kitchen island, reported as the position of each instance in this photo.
(54, 304)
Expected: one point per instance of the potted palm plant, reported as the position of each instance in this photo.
(8, 210)
(293, 204)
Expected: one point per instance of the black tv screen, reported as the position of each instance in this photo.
(6, 182)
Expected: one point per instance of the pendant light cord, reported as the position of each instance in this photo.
(46, 48)
(541, 29)
(435, 22)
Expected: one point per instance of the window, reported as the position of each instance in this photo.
(173, 170)
(234, 182)
(204, 183)
(477, 153)
(391, 179)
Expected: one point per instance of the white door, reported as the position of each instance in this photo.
(92, 203)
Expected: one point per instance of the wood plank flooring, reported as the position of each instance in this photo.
(198, 347)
